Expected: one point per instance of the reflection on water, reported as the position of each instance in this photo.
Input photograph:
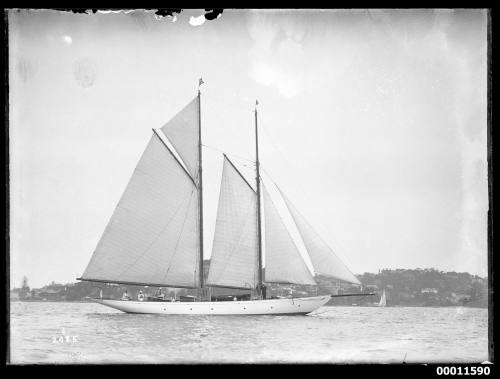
(91, 333)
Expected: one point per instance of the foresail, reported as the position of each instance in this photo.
(284, 264)
(153, 234)
(234, 253)
(182, 132)
(323, 258)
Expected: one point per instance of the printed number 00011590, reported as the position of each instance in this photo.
(480, 370)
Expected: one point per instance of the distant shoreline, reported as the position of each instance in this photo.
(403, 287)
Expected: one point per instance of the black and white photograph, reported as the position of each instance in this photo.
(248, 186)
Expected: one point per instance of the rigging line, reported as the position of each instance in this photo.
(297, 184)
(232, 104)
(273, 144)
(310, 226)
(338, 249)
(225, 152)
(284, 158)
(263, 127)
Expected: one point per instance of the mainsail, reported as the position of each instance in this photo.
(234, 254)
(323, 258)
(284, 264)
(152, 237)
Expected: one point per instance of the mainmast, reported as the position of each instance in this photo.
(200, 194)
(259, 226)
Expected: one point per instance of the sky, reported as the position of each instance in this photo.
(373, 122)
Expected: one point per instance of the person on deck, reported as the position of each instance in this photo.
(262, 290)
(159, 294)
(140, 296)
(125, 296)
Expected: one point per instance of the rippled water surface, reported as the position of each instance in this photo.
(91, 333)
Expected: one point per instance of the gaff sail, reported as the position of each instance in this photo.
(234, 252)
(152, 237)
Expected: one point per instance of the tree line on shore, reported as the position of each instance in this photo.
(403, 287)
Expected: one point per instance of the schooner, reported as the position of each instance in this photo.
(155, 235)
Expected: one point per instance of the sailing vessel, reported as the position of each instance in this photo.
(155, 235)
(383, 300)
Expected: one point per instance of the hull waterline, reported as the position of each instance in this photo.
(302, 305)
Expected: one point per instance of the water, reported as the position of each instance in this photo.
(91, 333)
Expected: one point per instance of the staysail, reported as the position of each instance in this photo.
(284, 264)
(234, 253)
(152, 237)
(323, 258)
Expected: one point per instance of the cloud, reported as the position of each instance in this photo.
(278, 58)
(67, 39)
(296, 55)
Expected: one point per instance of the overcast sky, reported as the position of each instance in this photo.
(372, 122)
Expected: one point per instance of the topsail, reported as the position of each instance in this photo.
(182, 132)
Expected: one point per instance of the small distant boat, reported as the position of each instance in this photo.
(155, 235)
(383, 300)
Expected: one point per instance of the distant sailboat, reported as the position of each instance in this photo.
(383, 300)
(155, 235)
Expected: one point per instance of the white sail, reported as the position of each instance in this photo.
(383, 300)
(234, 253)
(153, 234)
(322, 256)
(284, 264)
(183, 133)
